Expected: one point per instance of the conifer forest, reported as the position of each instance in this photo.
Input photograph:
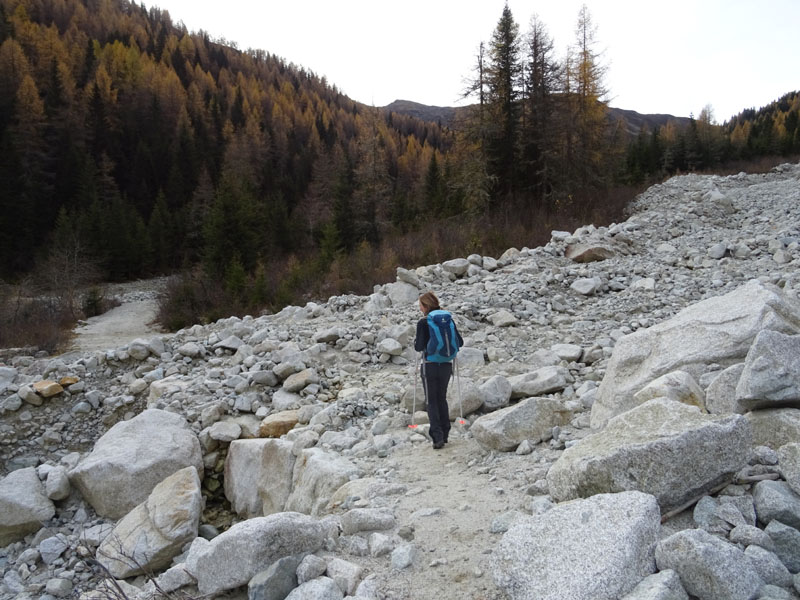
(140, 148)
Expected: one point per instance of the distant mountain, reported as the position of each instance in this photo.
(635, 121)
(447, 116)
(434, 114)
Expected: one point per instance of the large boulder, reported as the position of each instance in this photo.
(531, 419)
(463, 401)
(774, 427)
(541, 381)
(586, 252)
(775, 500)
(402, 293)
(258, 476)
(316, 477)
(134, 456)
(717, 330)
(789, 461)
(709, 567)
(664, 448)
(771, 375)
(153, 533)
(594, 549)
(23, 505)
(234, 557)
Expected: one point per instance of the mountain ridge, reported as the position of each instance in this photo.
(448, 115)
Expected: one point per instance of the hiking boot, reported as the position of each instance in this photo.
(438, 445)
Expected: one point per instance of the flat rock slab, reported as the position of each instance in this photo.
(132, 458)
(23, 505)
(531, 419)
(717, 330)
(234, 557)
(709, 567)
(593, 549)
(664, 448)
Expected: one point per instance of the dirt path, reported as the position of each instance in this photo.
(117, 327)
(454, 496)
(134, 318)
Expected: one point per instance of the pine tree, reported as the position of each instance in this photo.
(504, 78)
(542, 77)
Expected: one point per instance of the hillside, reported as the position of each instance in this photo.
(149, 147)
(218, 457)
(448, 116)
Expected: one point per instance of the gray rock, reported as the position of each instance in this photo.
(530, 419)
(567, 352)
(225, 431)
(321, 588)
(367, 519)
(402, 293)
(771, 376)
(496, 392)
(23, 505)
(404, 556)
(664, 585)
(502, 318)
(457, 267)
(789, 461)
(776, 500)
(317, 475)
(380, 544)
(775, 427)
(276, 582)
(407, 276)
(390, 346)
(541, 381)
(258, 476)
(787, 543)
(585, 253)
(311, 567)
(587, 286)
(594, 549)
(768, 566)
(132, 457)
(676, 385)
(717, 330)
(190, 349)
(57, 483)
(709, 567)
(463, 397)
(234, 557)
(7, 376)
(50, 549)
(298, 381)
(664, 448)
(749, 535)
(153, 533)
(58, 587)
(470, 358)
(721, 392)
(773, 592)
(346, 575)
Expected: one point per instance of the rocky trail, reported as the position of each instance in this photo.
(134, 318)
(614, 376)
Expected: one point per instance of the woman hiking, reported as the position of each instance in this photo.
(437, 365)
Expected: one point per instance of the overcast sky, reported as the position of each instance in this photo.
(671, 57)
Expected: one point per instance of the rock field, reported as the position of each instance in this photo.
(627, 425)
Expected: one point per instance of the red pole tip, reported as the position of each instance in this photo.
(412, 426)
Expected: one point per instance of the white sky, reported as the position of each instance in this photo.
(667, 56)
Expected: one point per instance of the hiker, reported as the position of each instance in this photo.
(437, 365)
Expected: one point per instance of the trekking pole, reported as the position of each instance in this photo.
(461, 421)
(414, 385)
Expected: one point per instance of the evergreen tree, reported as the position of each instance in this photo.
(504, 78)
(542, 77)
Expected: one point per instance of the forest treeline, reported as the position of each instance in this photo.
(131, 147)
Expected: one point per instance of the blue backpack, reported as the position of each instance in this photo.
(443, 342)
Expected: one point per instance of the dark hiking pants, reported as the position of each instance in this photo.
(435, 377)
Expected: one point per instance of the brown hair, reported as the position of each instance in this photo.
(429, 302)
